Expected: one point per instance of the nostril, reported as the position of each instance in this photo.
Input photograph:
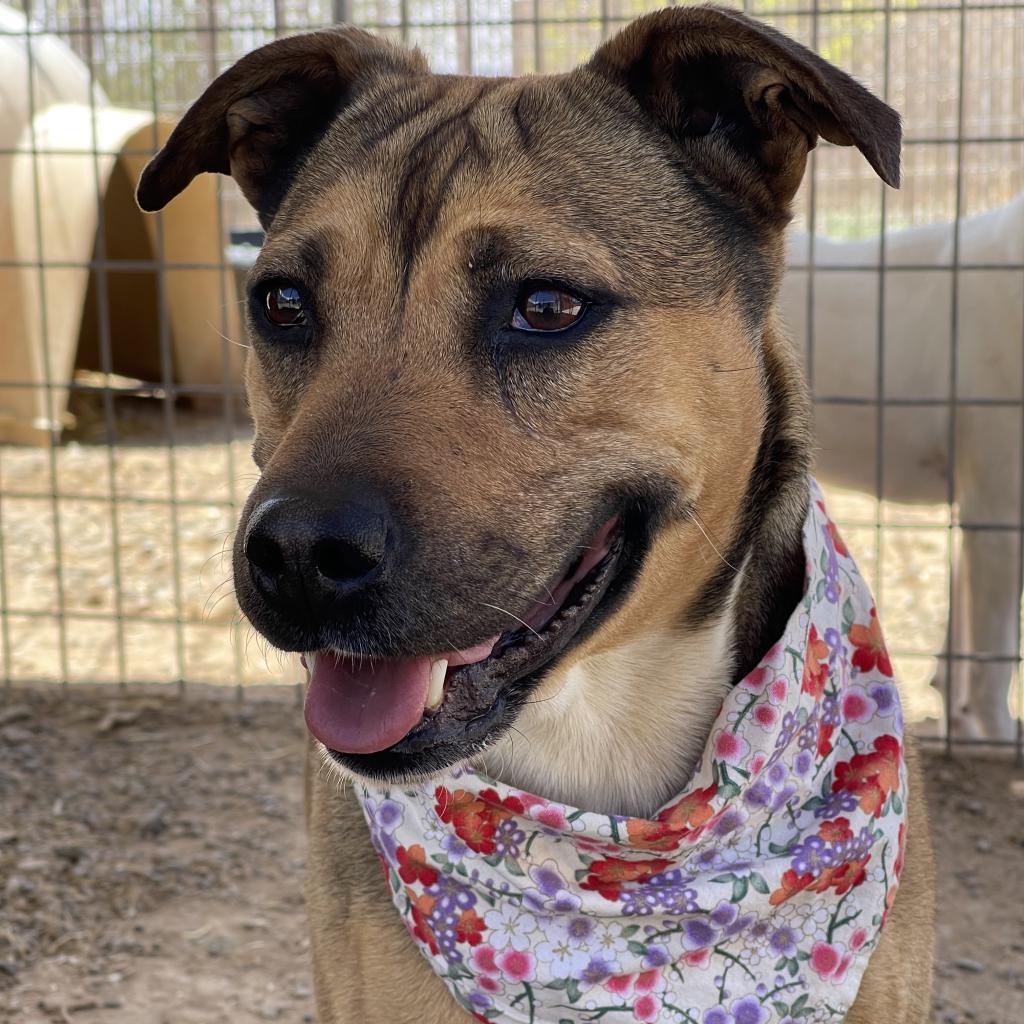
(341, 561)
(265, 554)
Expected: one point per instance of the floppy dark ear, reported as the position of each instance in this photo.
(259, 118)
(724, 85)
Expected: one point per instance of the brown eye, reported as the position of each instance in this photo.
(546, 308)
(284, 305)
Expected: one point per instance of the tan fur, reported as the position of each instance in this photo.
(403, 203)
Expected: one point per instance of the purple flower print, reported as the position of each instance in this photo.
(830, 713)
(580, 929)
(781, 798)
(732, 818)
(783, 941)
(837, 803)
(812, 856)
(597, 970)
(833, 639)
(547, 878)
(717, 1015)
(759, 794)
(697, 934)
(884, 696)
(803, 763)
(450, 893)
(384, 818)
(508, 838)
(749, 1011)
(454, 847)
(657, 956)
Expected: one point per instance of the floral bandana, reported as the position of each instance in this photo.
(754, 897)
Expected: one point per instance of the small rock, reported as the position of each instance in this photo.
(8, 838)
(15, 735)
(270, 1012)
(112, 1004)
(970, 966)
(17, 713)
(72, 854)
(154, 823)
(983, 846)
(974, 807)
(82, 1006)
(17, 886)
(9, 968)
(115, 718)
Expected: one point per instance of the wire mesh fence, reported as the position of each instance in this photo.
(125, 454)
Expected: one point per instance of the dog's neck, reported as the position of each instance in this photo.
(624, 729)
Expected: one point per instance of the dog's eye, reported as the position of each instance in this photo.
(284, 305)
(546, 307)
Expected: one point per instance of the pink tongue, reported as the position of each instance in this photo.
(362, 707)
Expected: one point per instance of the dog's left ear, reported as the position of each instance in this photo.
(723, 85)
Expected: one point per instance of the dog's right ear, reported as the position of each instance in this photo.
(261, 116)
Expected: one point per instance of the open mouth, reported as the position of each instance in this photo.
(413, 715)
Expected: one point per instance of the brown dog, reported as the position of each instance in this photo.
(491, 317)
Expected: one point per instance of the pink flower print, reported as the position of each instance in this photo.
(830, 962)
(755, 680)
(516, 964)
(646, 1008)
(551, 815)
(620, 984)
(482, 959)
(766, 716)
(859, 937)
(698, 957)
(857, 705)
(731, 748)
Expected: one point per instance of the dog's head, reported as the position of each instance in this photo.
(507, 354)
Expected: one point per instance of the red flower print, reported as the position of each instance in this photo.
(413, 866)
(870, 647)
(792, 883)
(470, 928)
(837, 831)
(766, 716)
(513, 804)
(684, 820)
(421, 930)
(815, 665)
(607, 877)
(901, 842)
(475, 830)
(871, 777)
(837, 541)
(825, 739)
(843, 877)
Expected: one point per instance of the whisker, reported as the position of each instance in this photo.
(505, 611)
(714, 547)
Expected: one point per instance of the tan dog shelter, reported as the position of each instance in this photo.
(66, 159)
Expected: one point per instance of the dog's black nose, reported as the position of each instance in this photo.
(301, 551)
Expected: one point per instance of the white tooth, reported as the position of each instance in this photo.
(310, 661)
(436, 692)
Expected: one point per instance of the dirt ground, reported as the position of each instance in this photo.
(152, 854)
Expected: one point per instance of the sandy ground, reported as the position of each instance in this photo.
(151, 859)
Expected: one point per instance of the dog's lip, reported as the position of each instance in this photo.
(477, 677)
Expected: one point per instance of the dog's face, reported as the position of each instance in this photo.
(506, 356)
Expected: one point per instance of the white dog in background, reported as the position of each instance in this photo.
(978, 459)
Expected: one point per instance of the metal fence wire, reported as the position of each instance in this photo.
(124, 454)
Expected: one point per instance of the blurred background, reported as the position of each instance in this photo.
(124, 434)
